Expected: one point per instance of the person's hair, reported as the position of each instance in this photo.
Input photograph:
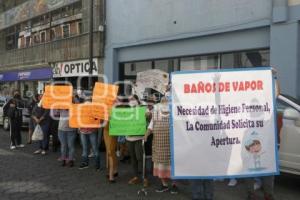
(164, 99)
(254, 142)
(136, 98)
(15, 91)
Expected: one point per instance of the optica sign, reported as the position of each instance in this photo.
(74, 68)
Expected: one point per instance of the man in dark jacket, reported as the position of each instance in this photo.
(13, 110)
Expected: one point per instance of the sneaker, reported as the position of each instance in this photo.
(38, 151)
(251, 196)
(174, 189)
(269, 197)
(232, 182)
(71, 163)
(97, 167)
(63, 163)
(13, 147)
(43, 152)
(112, 181)
(134, 181)
(162, 189)
(257, 185)
(21, 146)
(83, 166)
(115, 175)
(146, 183)
(91, 155)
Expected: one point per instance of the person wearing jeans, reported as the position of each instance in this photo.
(202, 189)
(67, 138)
(89, 135)
(40, 117)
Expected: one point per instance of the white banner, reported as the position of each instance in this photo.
(223, 124)
(154, 78)
(76, 68)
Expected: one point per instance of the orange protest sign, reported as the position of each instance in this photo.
(101, 111)
(104, 95)
(81, 116)
(57, 97)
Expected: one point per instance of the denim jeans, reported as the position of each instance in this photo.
(67, 144)
(92, 139)
(43, 144)
(202, 189)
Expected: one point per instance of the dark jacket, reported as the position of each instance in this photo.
(39, 112)
(14, 113)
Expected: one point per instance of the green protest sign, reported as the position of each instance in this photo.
(127, 121)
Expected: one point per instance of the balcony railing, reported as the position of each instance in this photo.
(72, 48)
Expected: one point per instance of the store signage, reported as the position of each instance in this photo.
(77, 68)
(24, 75)
(33, 74)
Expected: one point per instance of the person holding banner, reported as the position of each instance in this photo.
(111, 157)
(89, 135)
(135, 150)
(161, 153)
(67, 136)
(267, 181)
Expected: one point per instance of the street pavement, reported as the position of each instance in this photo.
(24, 176)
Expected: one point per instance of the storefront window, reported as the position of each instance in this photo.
(162, 65)
(246, 59)
(255, 58)
(199, 62)
(131, 69)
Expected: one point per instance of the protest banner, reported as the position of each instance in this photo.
(154, 79)
(105, 96)
(57, 97)
(81, 116)
(127, 121)
(223, 124)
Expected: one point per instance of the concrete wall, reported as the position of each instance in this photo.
(284, 55)
(136, 21)
(139, 30)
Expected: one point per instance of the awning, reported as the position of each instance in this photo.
(34, 74)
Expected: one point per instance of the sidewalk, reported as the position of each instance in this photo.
(24, 176)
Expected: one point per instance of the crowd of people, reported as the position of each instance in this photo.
(155, 142)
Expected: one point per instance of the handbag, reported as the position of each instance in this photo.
(37, 133)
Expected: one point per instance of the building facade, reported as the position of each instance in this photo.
(198, 34)
(42, 40)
